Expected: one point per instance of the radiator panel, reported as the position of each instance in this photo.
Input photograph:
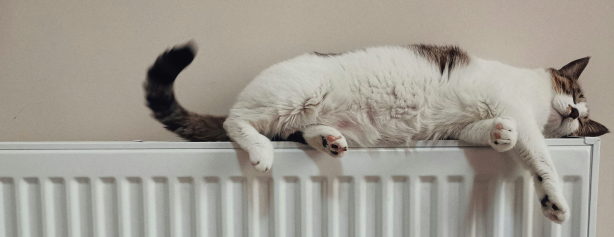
(195, 190)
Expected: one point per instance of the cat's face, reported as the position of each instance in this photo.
(570, 114)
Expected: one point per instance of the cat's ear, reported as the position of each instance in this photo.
(591, 129)
(574, 69)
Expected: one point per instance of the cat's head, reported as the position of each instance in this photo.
(570, 114)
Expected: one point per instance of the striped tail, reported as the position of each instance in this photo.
(161, 98)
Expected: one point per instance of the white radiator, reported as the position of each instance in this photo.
(159, 189)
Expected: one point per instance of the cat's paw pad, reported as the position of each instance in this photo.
(326, 139)
(262, 162)
(556, 211)
(504, 134)
(336, 146)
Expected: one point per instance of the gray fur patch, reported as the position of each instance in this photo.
(442, 56)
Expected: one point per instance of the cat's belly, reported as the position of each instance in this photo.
(378, 118)
(404, 112)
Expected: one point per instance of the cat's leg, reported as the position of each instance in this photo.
(326, 139)
(533, 153)
(500, 133)
(258, 146)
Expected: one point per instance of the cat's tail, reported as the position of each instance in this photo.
(161, 98)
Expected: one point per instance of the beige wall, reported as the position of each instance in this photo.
(72, 70)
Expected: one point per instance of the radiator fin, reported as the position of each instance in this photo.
(237, 209)
(158, 208)
(454, 205)
(427, 206)
(185, 207)
(55, 206)
(8, 215)
(211, 207)
(343, 222)
(132, 201)
(30, 208)
(371, 221)
(106, 207)
(572, 190)
(318, 207)
(290, 207)
(400, 206)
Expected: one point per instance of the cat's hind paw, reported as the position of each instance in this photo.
(262, 160)
(504, 134)
(336, 146)
(326, 139)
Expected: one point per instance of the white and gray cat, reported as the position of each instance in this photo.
(391, 95)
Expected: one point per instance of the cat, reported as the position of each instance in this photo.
(391, 95)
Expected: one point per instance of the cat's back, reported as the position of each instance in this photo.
(351, 72)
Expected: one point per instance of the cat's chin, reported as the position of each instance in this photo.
(560, 125)
(555, 119)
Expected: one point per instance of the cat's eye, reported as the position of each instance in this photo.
(581, 96)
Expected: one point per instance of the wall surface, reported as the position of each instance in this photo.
(72, 70)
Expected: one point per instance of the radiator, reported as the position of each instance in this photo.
(159, 189)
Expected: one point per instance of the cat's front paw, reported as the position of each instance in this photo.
(336, 146)
(553, 204)
(503, 135)
(556, 211)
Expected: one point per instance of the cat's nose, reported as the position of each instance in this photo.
(574, 113)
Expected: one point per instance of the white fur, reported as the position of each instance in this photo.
(393, 95)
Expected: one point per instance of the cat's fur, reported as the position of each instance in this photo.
(391, 95)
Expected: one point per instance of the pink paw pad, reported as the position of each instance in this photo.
(331, 143)
(503, 134)
(331, 138)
